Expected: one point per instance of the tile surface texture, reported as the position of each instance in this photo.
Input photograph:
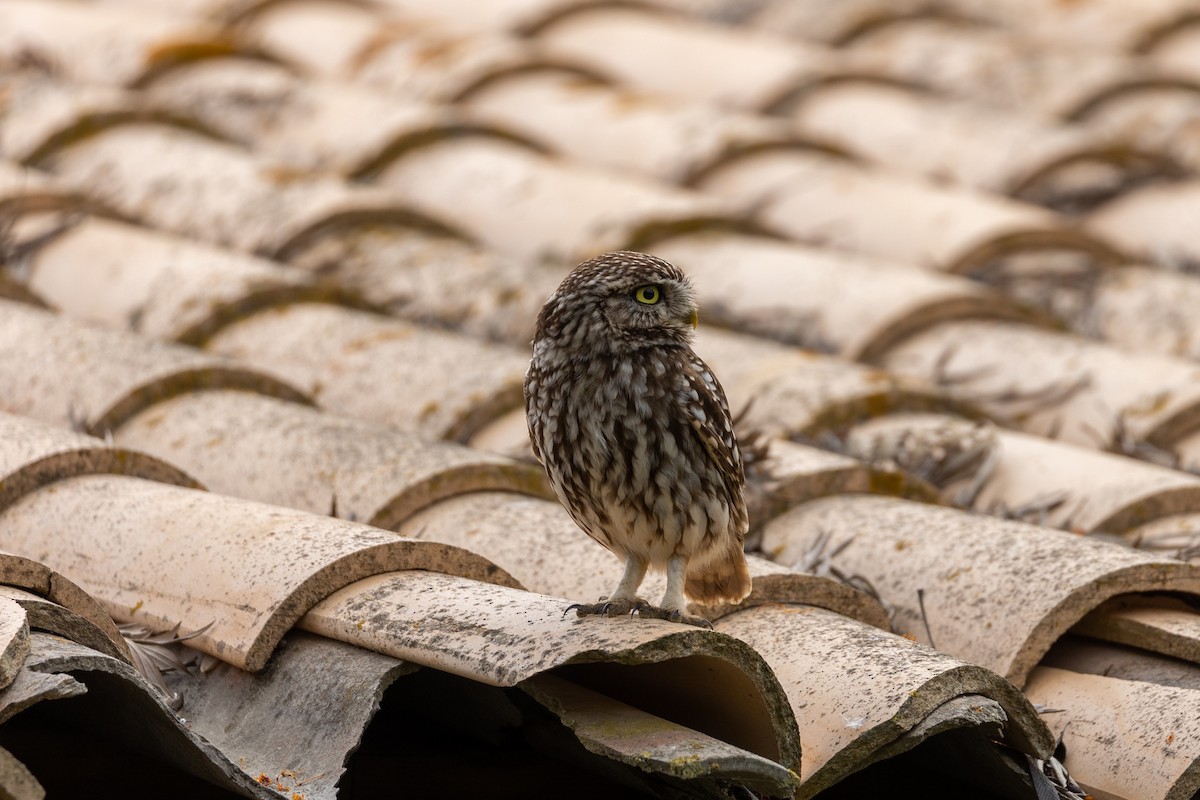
(270, 523)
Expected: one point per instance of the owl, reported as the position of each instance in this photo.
(635, 433)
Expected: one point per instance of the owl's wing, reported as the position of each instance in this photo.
(708, 412)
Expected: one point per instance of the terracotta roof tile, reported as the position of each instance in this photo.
(398, 186)
(816, 298)
(123, 713)
(1123, 729)
(93, 379)
(1049, 383)
(414, 379)
(277, 562)
(964, 586)
(250, 446)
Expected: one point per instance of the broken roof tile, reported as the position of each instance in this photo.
(503, 636)
(653, 744)
(119, 713)
(14, 640)
(16, 780)
(304, 714)
(49, 617)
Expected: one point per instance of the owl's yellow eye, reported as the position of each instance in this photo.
(649, 295)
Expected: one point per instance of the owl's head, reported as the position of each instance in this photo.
(618, 303)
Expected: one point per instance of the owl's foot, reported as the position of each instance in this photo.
(655, 612)
(606, 608)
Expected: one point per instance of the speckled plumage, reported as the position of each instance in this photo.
(634, 430)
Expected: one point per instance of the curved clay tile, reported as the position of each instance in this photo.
(302, 716)
(797, 473)
(555, 557)
(16, 780)
(1145, 309)
(971, 573)
(419, 380)
(1154, 112)
(673, 55)
(166, 287)
(86, 42)
(45, 114)
(1056, 385)
(73, 374)
(424, 62)
(1155, 222)
(822, 299)
(1018, 155)
(14, 640)
(527, 205)
(435, 279)
(263, 449)
(184, 183)
(1125, 738)
(1057, 484)
(653, 744)
(640, 133)
(1102, 24)
(835, 23)
(33, 455)
(49, 617)
(123, 715)
(1175, 50)
(81, 610)
(790, 393)
(309, 125)
(1163, 625)
(320, 38)
(987, 65)
(502, 636)
(814, 197)
(859, 693)
(162, 555)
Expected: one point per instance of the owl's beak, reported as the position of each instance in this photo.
(694, 317)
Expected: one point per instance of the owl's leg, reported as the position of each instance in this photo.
(674, 604)
(624, 599)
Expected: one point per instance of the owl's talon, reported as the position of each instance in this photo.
(672, 615)
(609, 608)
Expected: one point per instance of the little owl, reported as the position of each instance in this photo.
(635, 433)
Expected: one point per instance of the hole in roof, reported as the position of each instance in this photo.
(701, 692)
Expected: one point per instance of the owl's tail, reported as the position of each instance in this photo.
(721, 578)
